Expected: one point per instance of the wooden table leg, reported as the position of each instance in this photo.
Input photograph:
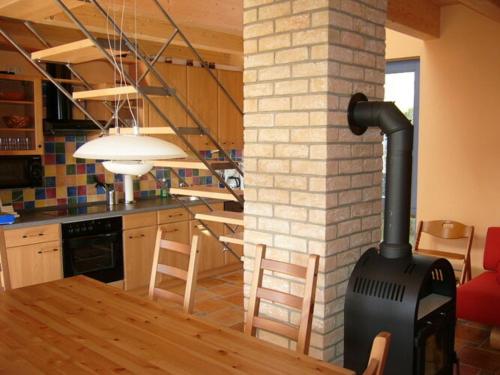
(495, 337)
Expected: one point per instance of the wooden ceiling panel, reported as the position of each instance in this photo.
(217, 15)
(33, 10)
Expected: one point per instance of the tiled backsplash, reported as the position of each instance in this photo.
(72, 181)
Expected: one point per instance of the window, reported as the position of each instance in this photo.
(402, 80)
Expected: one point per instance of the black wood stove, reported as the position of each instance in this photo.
(410, 296)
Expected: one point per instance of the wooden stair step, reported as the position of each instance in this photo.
(192, 163)
(79, 52)
(144, 130)
(180, 163)
(206, 192)
(111, 93)
(227, 217)
(192, 131)
(236, 238)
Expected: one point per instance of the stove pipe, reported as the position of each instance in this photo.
(399, 131)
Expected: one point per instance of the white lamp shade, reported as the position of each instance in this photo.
(128, 147)
(133, 168)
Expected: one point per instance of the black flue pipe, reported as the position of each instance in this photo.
(399, 131)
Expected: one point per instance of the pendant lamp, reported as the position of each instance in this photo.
(130, 155)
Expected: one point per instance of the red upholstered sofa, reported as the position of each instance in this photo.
(479, 299)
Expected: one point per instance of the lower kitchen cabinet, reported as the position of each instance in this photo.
(211, 255)
(138, 249)
(34, 264)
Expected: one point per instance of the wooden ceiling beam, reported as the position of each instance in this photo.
(420, 18)
(151, 30)
(488, 8)
(57, 36)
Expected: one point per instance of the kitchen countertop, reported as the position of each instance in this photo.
(66, 214)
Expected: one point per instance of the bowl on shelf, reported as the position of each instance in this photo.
(17, 121)
(12, 95)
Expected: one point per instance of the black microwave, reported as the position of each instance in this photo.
(20, 171)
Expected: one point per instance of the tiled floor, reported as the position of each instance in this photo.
(476, 356)
(220, 300)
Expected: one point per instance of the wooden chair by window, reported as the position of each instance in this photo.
(449, 230)
(302, 333)
(378, 355)
(189, 276)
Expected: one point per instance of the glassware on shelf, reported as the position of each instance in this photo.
(15, 143)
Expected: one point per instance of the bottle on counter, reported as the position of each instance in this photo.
(165, 187)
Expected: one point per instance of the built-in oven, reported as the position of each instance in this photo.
(93, 248)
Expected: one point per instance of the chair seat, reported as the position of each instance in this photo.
(479, 299)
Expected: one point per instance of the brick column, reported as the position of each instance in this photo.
(311, 187)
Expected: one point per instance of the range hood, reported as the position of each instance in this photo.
(59, 119)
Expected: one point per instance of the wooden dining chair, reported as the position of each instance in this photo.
(378, 354)
(189, 275)
(449, 230)
(300, 334)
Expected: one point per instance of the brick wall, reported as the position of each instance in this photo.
(311, 187)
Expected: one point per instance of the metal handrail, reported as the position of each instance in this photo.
(133, 47)
(198, 56)
(130, 81)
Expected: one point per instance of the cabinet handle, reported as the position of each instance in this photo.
(138, 236)
(33, 235)
(174, 215)
(47, 251)
(171, 231)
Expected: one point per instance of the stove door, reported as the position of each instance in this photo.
(435, 348)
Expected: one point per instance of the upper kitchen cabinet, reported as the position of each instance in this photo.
(176, 77)
(21, 114)
(230, 119)
(202, 100)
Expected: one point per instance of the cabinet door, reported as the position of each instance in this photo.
(202, 100)
(21, 115)
(230, 129)
(34, 264)
(211, 250)
(138, 249)
(176, 76)
(178, 232)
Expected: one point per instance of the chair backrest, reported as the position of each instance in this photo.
(492, 249)
(448, 230)
(188, 275)
(302, 333)
(378, 354)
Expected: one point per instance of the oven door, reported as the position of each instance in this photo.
(98, 256)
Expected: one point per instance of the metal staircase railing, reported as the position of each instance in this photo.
(168, 91)
(150, 68)
(29, 25)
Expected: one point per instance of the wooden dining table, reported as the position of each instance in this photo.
(81, 326)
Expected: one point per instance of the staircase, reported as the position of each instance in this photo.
(93, 48)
